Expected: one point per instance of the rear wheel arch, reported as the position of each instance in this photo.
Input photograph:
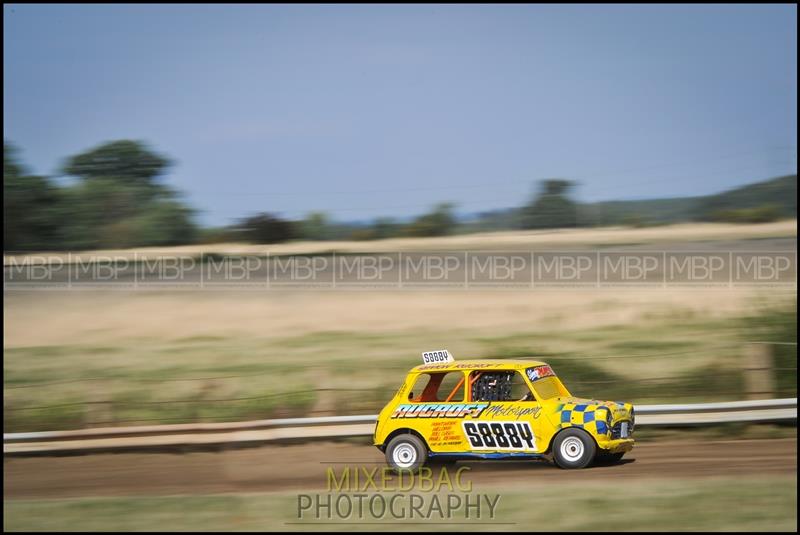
(406, 451)
(403, 431)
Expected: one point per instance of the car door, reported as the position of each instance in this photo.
(511, 423)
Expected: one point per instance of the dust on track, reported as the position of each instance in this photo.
(303, 467)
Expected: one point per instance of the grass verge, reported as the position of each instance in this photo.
(724, 504)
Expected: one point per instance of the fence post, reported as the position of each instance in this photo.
(326, 402)
(98, 412)
(759, 380)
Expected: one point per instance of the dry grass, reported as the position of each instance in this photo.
(42, 318)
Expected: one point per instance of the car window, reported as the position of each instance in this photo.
(452, 387)
(499, 386)
(519, 389)
(545, 383)
(491, 385)
(548, 388)
(442, 386)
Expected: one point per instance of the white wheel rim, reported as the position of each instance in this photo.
(572, 449)
(404, 455)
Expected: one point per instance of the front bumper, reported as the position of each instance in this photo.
(618, 445)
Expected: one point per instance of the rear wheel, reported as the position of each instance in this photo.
(573, 448)
(406, 452)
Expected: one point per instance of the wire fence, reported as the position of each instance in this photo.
(587, 358)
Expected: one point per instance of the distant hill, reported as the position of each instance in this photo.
(779, 193)
(774, 198)
(771, 199)
(650, 211)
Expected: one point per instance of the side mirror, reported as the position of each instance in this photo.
(410, 396)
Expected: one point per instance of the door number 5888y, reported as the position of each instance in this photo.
(500, 435)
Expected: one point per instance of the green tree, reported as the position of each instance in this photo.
(381, 229)
(30, 207)
(438, 222)
(551, 208)
(118, 201)
(127, 161)
(385, 227)
(265, 228)
(165, 222)
(316, 226)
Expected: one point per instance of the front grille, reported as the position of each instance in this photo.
(616, 431)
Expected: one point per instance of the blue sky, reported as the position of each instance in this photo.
(363, 111)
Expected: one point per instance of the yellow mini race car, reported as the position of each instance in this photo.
(497, 409)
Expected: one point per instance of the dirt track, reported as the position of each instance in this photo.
(281, 468)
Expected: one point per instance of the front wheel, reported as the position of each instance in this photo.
(406, 452)
(573, 448)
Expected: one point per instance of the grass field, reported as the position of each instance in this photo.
(714, 504)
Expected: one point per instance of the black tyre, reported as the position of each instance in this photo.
(406, 452)
(608, 458)
(573, 448)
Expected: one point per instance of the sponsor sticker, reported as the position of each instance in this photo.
(539, 372)
(439, 410)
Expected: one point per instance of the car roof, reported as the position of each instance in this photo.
(479, 364)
